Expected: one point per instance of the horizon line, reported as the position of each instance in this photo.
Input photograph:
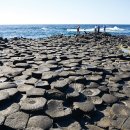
(67, 24)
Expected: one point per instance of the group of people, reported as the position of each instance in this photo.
(96, 29)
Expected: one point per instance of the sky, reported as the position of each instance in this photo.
(64, 11)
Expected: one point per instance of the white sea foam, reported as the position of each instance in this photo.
(44, 28)
(108, 29)
(81, 30)
(115, 28)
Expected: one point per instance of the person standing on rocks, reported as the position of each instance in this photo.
(104, 28)
(98, 29)
(78, 29)
(95, 29)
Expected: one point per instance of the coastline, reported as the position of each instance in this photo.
(66, 82)
(40, 31)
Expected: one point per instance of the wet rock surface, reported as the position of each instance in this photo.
(65, 83)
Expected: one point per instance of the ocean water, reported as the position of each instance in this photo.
(42, 31)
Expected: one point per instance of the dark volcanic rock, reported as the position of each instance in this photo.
(108, 98)
(33, 128)
(55, 94)
(92, 127)
(120, 110)
(60, 85)
(10, 109)
(69, 124)
(42, 84)
(33, 104)
(3, 79)
(17, 120)
(11, 91)
(43, 122)
(2, 118)
(55, 109)
(24, 88)
(72, 95)
(91, 92)
(49, 76)
(37, 74)
(126, 125)
(77, 86)
(96, 100)
(4, 95)
(76, 82)
(22, 65)
(35, 92)
(31, 81)
(6, 85)
(56, 129)
(126, 90)
(86, 106)
(104, 122)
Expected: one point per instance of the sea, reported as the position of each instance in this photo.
(44, 30)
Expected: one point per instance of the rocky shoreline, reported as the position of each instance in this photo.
(65, 83)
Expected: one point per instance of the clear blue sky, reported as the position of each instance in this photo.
(64, 11)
